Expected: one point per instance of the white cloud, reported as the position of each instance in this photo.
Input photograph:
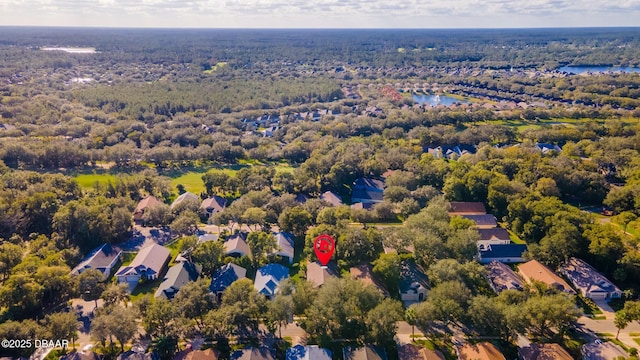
(321, 13)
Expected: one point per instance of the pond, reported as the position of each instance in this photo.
(598, 69)
(435, 100)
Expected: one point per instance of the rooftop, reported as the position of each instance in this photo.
(534, 270)
(309, 352)
(586, 278)
(318, 274)
(364, 272)
(502, 277)
(100, 257)
(269, 277)
(225, 276)
(494, 234)
(176, 277)
(486, 220)
(498, 251)
(411, 277)
(186, 196)
(367, 352)
(469, 208)
(480, 351)
(544, 352)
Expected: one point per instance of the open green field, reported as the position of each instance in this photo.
(89, 180)
(191, 179)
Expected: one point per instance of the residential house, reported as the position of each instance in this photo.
(486, 221)
(494, 236)
(236, 245)
(367, 352)
(602, 350)
(501, 277)
(588, 281)
(224, 277)
(208, 354)
(363, 206)
(509, 253)
(466, 208)
(318, 274)
(331, 198)
(149, 201)
(212, 205)
(148, 264)
(479, 351)
(252, 354)
(451, 152)
(309, 352)
(364, 272)
(413, 284)
(413, 352)
(285, 242)
(103, 258)
(366, 190)
(268, 279)
(187, 196)
(176, 277)
(543, 352)
(535, 271)
(548, 148)
(301, 198)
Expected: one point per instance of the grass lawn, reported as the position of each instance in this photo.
(637, 340)
(87, 181)
(191, 180)
(605, 334)
(127, 257)
(145, 288)
(515, 238)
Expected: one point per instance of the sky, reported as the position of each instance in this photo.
(321, 13)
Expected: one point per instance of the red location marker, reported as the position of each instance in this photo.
(324, 245)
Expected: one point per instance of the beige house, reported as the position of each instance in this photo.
(535, 271)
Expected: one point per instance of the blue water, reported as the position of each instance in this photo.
(435, 100)
(598, 69)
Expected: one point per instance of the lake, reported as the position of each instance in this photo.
(598, 69)
(435, 100)
(71, 50)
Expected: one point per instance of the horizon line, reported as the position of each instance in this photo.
(318, 28)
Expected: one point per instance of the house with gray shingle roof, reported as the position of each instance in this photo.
(501, 277)
(318, 274)
(236, 245)
(212, 205)
(367, 352)
(366, 190)
(589, 281)
(147, 202)
(185, 197)
(309, 352)
(224, 277)
(253, 354)
(486, 221)
(148, 264)
(285, 243)
(331, 198)
(413, 284)
(268, 279)
(176, 277)
(103, 258)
